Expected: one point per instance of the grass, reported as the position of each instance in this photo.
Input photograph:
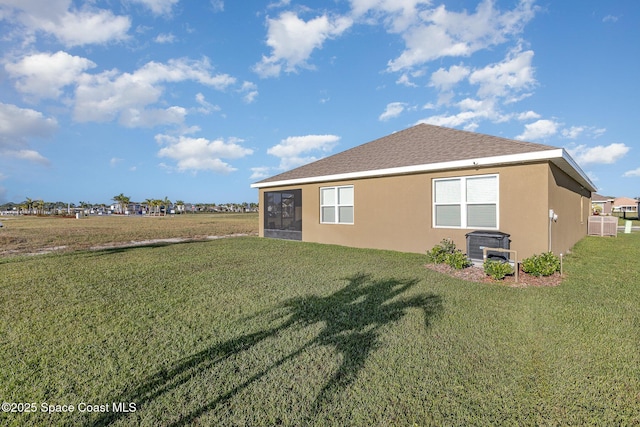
(24, 234)
(251, 331)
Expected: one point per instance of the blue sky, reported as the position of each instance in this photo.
(197, 100)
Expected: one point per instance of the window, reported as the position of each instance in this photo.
(336, 205)
(466, 202)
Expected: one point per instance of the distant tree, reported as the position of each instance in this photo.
(156, 204)
(166, 203)
(122, 201)
(180, 206)
(84, 206)
(29, 205)
(38, 205)
(149, 204)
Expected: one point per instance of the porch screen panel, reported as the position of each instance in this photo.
(283, 210)
(273, 214)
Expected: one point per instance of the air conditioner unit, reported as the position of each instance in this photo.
(478, 240)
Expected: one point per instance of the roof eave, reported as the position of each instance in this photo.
(558, 156)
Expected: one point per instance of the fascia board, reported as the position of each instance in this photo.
(457, 164)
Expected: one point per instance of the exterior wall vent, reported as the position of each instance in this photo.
(478, 240)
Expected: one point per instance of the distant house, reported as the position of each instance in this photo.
(625, 204)
(602, 204)
(409, 190)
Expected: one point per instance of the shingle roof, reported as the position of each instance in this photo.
(595, 197)
(624, 201)
(422, 144)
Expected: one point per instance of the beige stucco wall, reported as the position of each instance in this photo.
(395, 212)
(572, 203)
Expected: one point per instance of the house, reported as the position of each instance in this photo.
(603, 205)
(409, 190)
(625, 204)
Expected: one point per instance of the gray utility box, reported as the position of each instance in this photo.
(478, 240)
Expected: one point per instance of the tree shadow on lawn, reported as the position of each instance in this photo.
(352, 319)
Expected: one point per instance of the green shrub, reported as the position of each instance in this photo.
(544, 264)
(458, 260)
(446, 253)
(438, 254)
(497, 269)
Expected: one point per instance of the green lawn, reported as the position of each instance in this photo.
(250, 331)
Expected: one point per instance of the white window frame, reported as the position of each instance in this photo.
(464, 203)
(337, 205)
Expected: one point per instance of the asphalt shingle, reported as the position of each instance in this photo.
(422, 144)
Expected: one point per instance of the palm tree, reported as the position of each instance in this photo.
(149, 203)
(180, 206)
(29, 205)
(156, 205)
(39, 206)
(84, 206)
(166, 202)
(123, 202)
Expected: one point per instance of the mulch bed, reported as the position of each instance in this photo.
(477, 274)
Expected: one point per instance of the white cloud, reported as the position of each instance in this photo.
(599, 154)
(150, 117)
(17, 124)
(250, 91)
(86, 27)
(28, 155)
(398, 15)
(44, 75)
(165, 38)
(293, 40)
(205, 106)
(393, 110)
(573, 132)
(196, 154)
(71, 26)
(576, 131)
(291, 150)
(610, 18)
(498, 84)
(111, 94)
(632, 173)
(528, 115)
(405, 81)
(158, 7)
(177, 70)
(438, 33)
(471, 112)
(455, 120)
(538, 130)
(260, 172)
(217, 5)
(505, 78)
(444, 80)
